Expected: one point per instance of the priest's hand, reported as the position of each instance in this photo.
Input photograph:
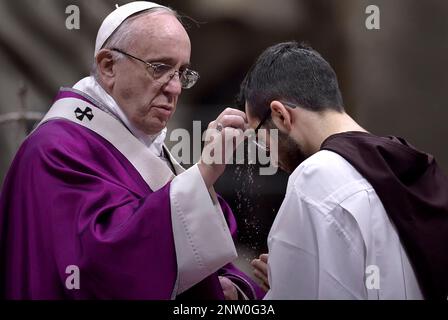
(222, 137)
(229, 290)
(261, 270)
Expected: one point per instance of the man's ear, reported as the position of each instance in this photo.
(105, 67)
(281, 115)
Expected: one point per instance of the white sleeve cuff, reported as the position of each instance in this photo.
(202, 238)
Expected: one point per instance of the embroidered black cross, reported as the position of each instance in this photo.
(86, 113)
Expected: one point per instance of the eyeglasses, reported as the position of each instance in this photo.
(163, 73)
(262, 144)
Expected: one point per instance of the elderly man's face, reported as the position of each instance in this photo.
(147, 103)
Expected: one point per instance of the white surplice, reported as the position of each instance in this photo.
(329, 232)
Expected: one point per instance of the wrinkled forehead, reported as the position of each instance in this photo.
(159, 24)
(160, 32)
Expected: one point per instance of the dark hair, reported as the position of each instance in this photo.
(294, 73)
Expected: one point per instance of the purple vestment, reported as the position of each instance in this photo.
(71, 198)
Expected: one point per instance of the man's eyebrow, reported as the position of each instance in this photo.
(169, 61)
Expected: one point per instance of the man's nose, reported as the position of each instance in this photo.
(173, 85)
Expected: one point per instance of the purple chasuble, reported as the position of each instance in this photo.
(414, 192)
(71, 198)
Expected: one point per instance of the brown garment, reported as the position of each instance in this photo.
(414, 192)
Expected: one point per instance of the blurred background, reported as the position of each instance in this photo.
(394, 80)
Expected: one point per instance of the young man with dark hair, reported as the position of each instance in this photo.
(364, 217)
